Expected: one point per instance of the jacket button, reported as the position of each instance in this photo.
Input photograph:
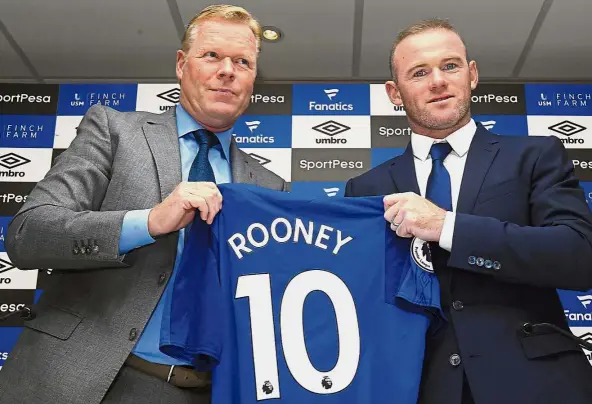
(457, 305)
(496, 265)
(454, 360)
(133, 334)
(75, 251)
(95, 249)
(162, 278)
(488, 264)
(480, 261)
(471, 260)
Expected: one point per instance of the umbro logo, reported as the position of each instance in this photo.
(13, 160)
(587, 337)
(567, 128)
(173, 95)
(331, 128)
(5, 266)
(260, 159)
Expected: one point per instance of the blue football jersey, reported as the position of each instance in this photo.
(302, 301)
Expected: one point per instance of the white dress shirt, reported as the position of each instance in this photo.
(460, 141)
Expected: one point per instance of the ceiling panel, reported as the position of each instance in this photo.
(94, 38)
(495, 31)
(10, 63)
(318, 36)
(562, 47)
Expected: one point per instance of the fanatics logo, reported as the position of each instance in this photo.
(173, 95)
(567, 128)
(5, 266)
(252, 125)
(260, 159)
(331, 191)
(331, 128)
(331, 92)
(488, 124)
(587, 337)
(12, 160)
(585, 300)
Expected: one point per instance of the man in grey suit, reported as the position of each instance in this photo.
(109, 220)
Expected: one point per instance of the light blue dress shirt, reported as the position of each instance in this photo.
(134, 231)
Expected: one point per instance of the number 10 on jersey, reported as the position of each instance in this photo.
(258, 289)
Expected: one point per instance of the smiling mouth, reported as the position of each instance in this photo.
(440, 99)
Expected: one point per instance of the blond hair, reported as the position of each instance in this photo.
(418, 28)
(225, 12)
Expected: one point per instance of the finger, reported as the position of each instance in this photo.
(199, 203)
(393, 210)
(212, 208)
(403, 231)
(398, 220)
(390, 200)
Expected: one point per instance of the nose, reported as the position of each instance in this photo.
(437, 79)
(226, 69)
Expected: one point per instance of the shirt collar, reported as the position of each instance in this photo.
(186, 124)
(460, 141)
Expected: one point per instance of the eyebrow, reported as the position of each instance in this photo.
(447, 59)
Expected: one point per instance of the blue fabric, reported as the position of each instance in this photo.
(248, 270)
(438, 188)
(219, 159)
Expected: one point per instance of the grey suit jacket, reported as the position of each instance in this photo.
(97, 304)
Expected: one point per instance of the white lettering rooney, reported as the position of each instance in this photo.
(282, 231)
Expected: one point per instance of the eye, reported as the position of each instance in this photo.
(244, 62)
(211, 54)
(450, 66)
(419, 73)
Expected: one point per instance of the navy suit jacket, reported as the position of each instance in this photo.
(520, 205)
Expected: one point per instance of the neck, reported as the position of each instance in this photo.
(438, 133)
(211, 125)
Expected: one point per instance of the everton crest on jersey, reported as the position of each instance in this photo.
(302, 301)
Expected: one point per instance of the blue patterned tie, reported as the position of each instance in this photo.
(201, 169)
(438, 189)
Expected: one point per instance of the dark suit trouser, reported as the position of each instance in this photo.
(134, 387)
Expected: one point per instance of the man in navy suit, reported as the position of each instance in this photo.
(507, 224)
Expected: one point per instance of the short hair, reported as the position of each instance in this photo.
(225, 12)
(418, 28)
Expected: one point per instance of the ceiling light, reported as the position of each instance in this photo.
(272, 34)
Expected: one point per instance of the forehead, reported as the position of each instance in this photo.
(225, 33)
(435, 43)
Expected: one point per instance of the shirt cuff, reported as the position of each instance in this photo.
(134, 231)
(447, 231)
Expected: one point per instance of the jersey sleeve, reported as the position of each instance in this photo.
(191, 327)
(410, 283)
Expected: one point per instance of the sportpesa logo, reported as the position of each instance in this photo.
(492, 98)
(21, 98)
(330, 164)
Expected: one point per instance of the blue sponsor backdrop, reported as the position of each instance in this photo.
(24, 128)
(30, 131)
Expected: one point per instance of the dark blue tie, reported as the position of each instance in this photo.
(201, 169)
(438, 189)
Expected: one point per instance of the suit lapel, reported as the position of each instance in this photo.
(241, 171)
(161, 134)
(402, 172)
(481, 154)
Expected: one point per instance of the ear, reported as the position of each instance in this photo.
(473, 74)
(392, 90)
(180, 64)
